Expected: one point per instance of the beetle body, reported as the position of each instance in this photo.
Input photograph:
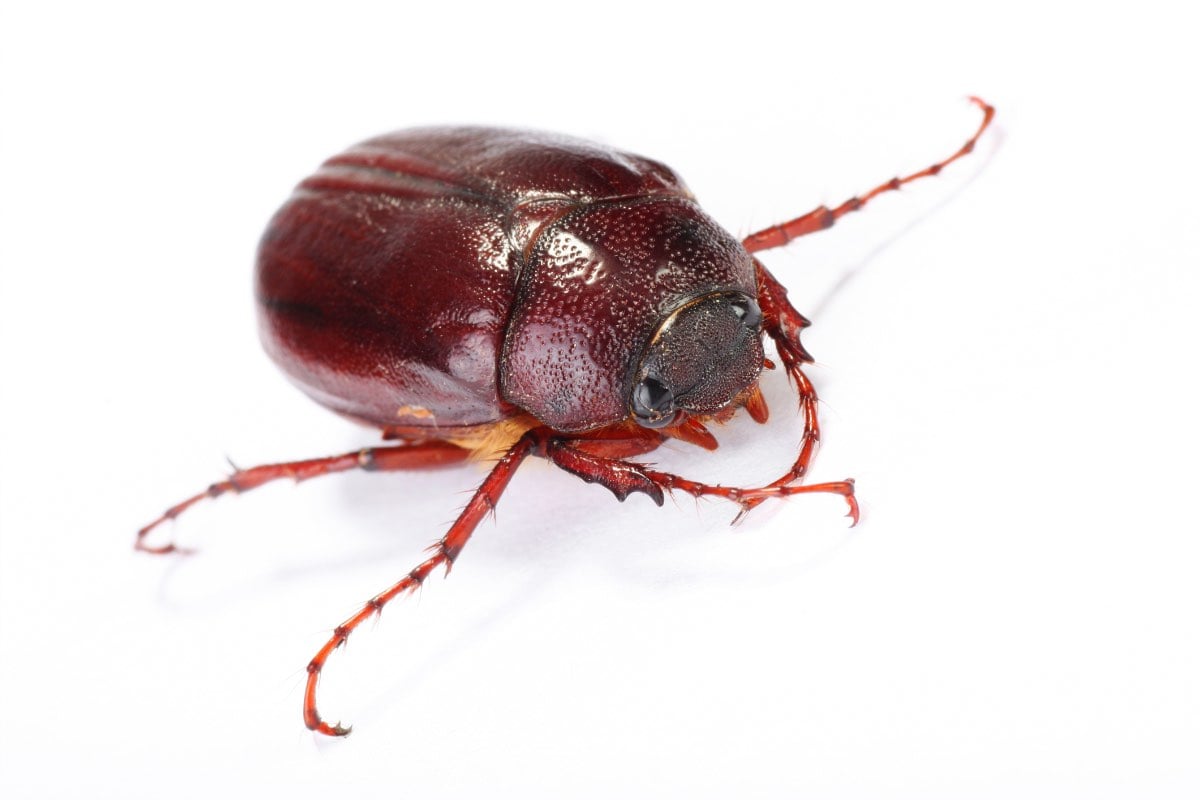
(436, 281)
(487, 292)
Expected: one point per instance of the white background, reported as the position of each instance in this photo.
(1005, 360)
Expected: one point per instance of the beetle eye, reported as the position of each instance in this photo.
(653, 403)
(747, 311)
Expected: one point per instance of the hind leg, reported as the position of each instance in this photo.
(421, 455)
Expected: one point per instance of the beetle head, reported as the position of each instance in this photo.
(702, 356)
(631, 308)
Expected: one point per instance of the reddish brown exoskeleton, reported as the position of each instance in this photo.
(474, 292)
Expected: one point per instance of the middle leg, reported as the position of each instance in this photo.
(444, 552)
(823, 217)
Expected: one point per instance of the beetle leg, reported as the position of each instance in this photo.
(823, 217)
(622, 478)
(783, 324)
(445, 550)
(422, 455)
(630, 439)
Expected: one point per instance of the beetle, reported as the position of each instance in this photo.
(481, 292)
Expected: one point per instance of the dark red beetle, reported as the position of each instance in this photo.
(475, 292)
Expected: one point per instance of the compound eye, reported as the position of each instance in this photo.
(747, 311)
(653, 403)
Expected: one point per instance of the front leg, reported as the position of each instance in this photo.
(622, 478)
(783, 324)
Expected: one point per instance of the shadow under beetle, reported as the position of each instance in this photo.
(474, 292)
